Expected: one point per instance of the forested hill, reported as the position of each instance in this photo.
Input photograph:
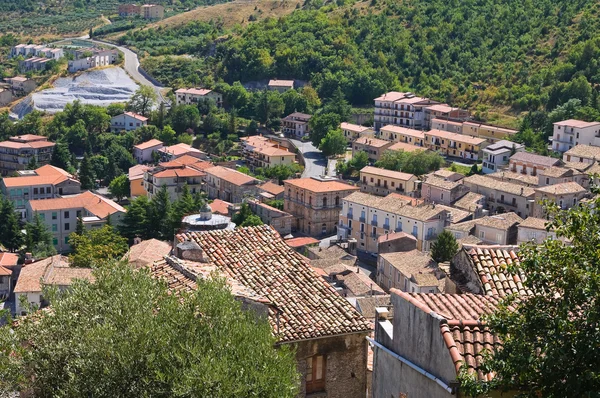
(518, 52)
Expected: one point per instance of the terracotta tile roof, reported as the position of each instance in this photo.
(148, 144)
(281, 83)
(180, 172)
(403, 146)
(147, 252)
(260, 260)
(136, 116)
(579, 166)
(232, 176)
(175, 279)
(465, 335)
(391, 96)
(584, 151)
(136, 172)
(448, 122)
(5, 271)
(557, 172)
(8, 259)
(510, 176)
(398, 175)
(490, 127)
(490, 263)
(441, 183)
(46, 175)
(315, 185)
(562, 188)
(449, 174)
(372, 142)
(297, 116)
(219, 206)
(353, 127)
(454, 137)
(502, 146)
(404, 130)
(95, 204)
(272, 188)
(500, 221)
(301, 241)
(274, 151)
(501, 186)
(366, 305)
(444, 108)
(414, 265)
(528, 157)
(458, 215)
(29, 137)
(53, 270)
(470, 201)
(396, 205)
(193, 91)
(534, 223)
(179, 149)
(576, 123)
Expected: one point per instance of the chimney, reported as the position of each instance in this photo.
(521, 191)
(137, 240)
(191, 251)
(28, 258)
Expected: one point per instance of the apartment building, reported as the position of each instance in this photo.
(565, 195)
(38, 64)
(382, 182)
(353, 132)
(454, 145)
(582, 153)
(447, 125)
(21, 85)
(60, 215)
(441, 190)
(569, 133)
(136, 180)
(280, 85)
(278, 219)
(486, 131)
(127, 121)
(191, 96)
(296, 125)
(556, 175)
(530, 163)
(174, 175)
(129, 10)
(502, 196)
(372, 146)
(142, 153)
(98, 58)
(497, 155)
(401, 109)
(46, 182)
(315, 203)
(367, 217)
(230, 185)
(444, 112)
(152, 11)
(262, 152)
(18, 151)
(402, 134)
(412, 271)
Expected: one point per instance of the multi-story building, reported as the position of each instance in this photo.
(136, 180)
(129, 10)
(533, 229)
(179, 150)
(583, 154)
(496, 156)
(444, 112)
(366, 217)
(152, 11)
(570, 133)
(382, 182)
(315, 203)
(142, 153)
(372, 146)
(455, 145)
(98, 58)
(127, 121)
(486, 131)
(436, 189)
(503, 196)
(280, 85)
(296, 125)
(37, 64)
(500, 229)
(447, 125)
(191, 96)
(278, 219)
(517, 178)
(556, 175)
(412, 271)
(21, 85)
(402, 134)
(355, 131)
(565, 195)
(17, 153)
(46, 182)
(401, 109)
(262, 152)
(60, 215)
(230, 185)
(530, 163)
(174, 175)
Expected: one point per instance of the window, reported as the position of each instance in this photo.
(78, 213)
(374, 231)
(481, 234)
(362, 228)
(350, 224)
(415, 231)
(315, 374)
(54, 241)
(547, 181)
(66, 240)
(399, 228)
(324, 229)
(324, 202)
(375, 218)
(499, 238)
(337, 200)
(67, 226)
(66, 214)
(47, 190)
(442, 196)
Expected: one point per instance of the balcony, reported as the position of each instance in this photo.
(432, 236)
(361, 219)
(349, 215)
(374, 223)
(386, 227)
(398, 230)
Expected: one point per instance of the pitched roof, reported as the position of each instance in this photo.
(219, 206)
(179, 149)
(441, 183)
(502, 186)
(397, 205)
(373, 142)
(465, 335)
(232, 176)
(53, 270)
(563, 188)
(272, 188)
(398, 175)
(576, 123)
(367, 305)
(529, 157)
(316, 185)
(45, 175)
(301, 241)
(8, 259)
(557, 172)
(136, 116)
(259, 259)
(470, 201)
(584, 151)
(455, 137)
(282, 83)
(490, 264)
(136, 172)
(511, 176)
(503, 145)
(406, 147)
(147, 252)
(193, 91)
(444, 108)
(95, 204)
(499, 221)
(274, 151)
(534, 223)
(390, 96)
(148, 144)
(412, 264)
(403, 130)
(357, 128)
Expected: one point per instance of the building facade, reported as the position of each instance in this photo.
(278, 219)
(496, 156)
(127, 121)
(230, 185)
(353, 132)
(402, 134)
(372, 146)
(503, 196)
(17, 153)
(296, 125)
(530, 163)
(142, 153)
(191, 96)
(382, 182)
(569, 133)
(401, 109)
(455, 145)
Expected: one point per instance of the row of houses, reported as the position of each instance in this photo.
(92, 58)
(38, 50)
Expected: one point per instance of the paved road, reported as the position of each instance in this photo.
(314, 160)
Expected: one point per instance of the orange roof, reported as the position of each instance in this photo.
(233, 176)
(148, 144)
(353, 127)
(29, 137)
(194, 91)
(95, 204)
(182, 171)
(272, 188)
(315, 185)
(404, 130)
(281, 83)
(179, 149)
(136, 116)
(444, 108)
(53, 270)
(136, 172)
(391, 96)
(5, 271)
(46, 175)
(40, 144)
(220, 207)
(188, 160)
(8, 259)
(274, 151)
(373, 142)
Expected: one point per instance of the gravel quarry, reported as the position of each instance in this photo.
(98, 87)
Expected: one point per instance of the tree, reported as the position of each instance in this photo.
(86, 174)
(550, 340)
(444, 247)
(211, 123)
(334, 143)
(252, 221)
(337, 104)
(232, 123)
(80, 227)
(268, 105)
(10, 233)
(185, 139)
(61, 157)
(206, 105)
(160, 214)
(245, 218)
(353, 166)
(37, 234)
(142, 101)
(96, 246)
(131, 337)
(322, 124)
(32, 164)
(280, 172)
(418, 162)
(115, 109)
(184, 117)
(119, 187)
(136, 221)
(167, 135)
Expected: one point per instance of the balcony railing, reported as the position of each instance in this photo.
(361, 219)
(398, 230)
(349, 215)
(386, 227)
(374, 223)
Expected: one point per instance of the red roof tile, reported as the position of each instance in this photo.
(301, 241)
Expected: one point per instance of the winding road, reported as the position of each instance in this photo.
(315, 163)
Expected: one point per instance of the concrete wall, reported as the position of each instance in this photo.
(346, 364)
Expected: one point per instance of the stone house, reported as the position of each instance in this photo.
(372, 146)
(556, 175)
(229, 185)
(565, 195)
(411, 271)
(503, 196)
(280, 85)
(582, 153)
(278, 219)
(530, 163)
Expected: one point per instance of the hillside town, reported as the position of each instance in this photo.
(389, 250)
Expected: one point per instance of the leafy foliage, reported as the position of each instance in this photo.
(245, 217)
(417, 163)
(444, 247)
(353, 166)
(334, 143)
(96, 246)
(10, 232)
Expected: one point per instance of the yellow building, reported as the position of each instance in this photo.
(455, 145)
(486, 131)
(382, 182)
(402, 134)
(136, 180)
